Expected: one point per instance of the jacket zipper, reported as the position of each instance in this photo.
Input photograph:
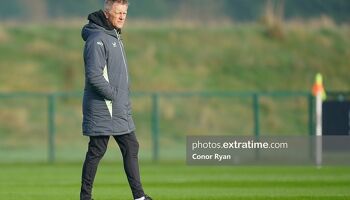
(122, 50)
(126, 69)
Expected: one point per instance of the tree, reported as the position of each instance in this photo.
(273, 18)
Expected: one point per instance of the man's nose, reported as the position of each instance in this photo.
(122, 17)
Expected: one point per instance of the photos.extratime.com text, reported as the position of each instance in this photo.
(250, 144)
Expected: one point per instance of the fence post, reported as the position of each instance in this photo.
(256, 108)
(51, 127)
(155, 126)
(311, 125)
(311, 114)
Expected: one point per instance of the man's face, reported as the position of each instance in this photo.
(117, 15)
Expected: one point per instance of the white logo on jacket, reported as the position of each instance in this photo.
(114, 44)
(100, 43)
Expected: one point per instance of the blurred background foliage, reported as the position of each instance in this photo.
(236, 10)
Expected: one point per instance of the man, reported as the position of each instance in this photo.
(106, 103)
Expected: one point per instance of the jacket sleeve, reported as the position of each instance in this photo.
(95, 60)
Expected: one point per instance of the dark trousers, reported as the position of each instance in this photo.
(129, 148)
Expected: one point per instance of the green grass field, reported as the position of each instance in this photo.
(170, 181)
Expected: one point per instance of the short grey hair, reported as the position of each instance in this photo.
(108, 3)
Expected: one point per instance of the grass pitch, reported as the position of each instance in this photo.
(170, 181)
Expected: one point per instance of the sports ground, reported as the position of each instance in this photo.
(170, 181)
(237, 58)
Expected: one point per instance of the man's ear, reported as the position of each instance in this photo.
(106, 15)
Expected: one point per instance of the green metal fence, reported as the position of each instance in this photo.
(262, 105)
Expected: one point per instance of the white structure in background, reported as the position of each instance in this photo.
(320, 94)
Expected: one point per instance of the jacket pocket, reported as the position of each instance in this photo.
(120, 105)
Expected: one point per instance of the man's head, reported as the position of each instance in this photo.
(116, 11)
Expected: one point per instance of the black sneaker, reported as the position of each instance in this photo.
(147, 197)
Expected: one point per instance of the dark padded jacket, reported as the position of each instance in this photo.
(106, 102)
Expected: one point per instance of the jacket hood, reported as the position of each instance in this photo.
(98, 23)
